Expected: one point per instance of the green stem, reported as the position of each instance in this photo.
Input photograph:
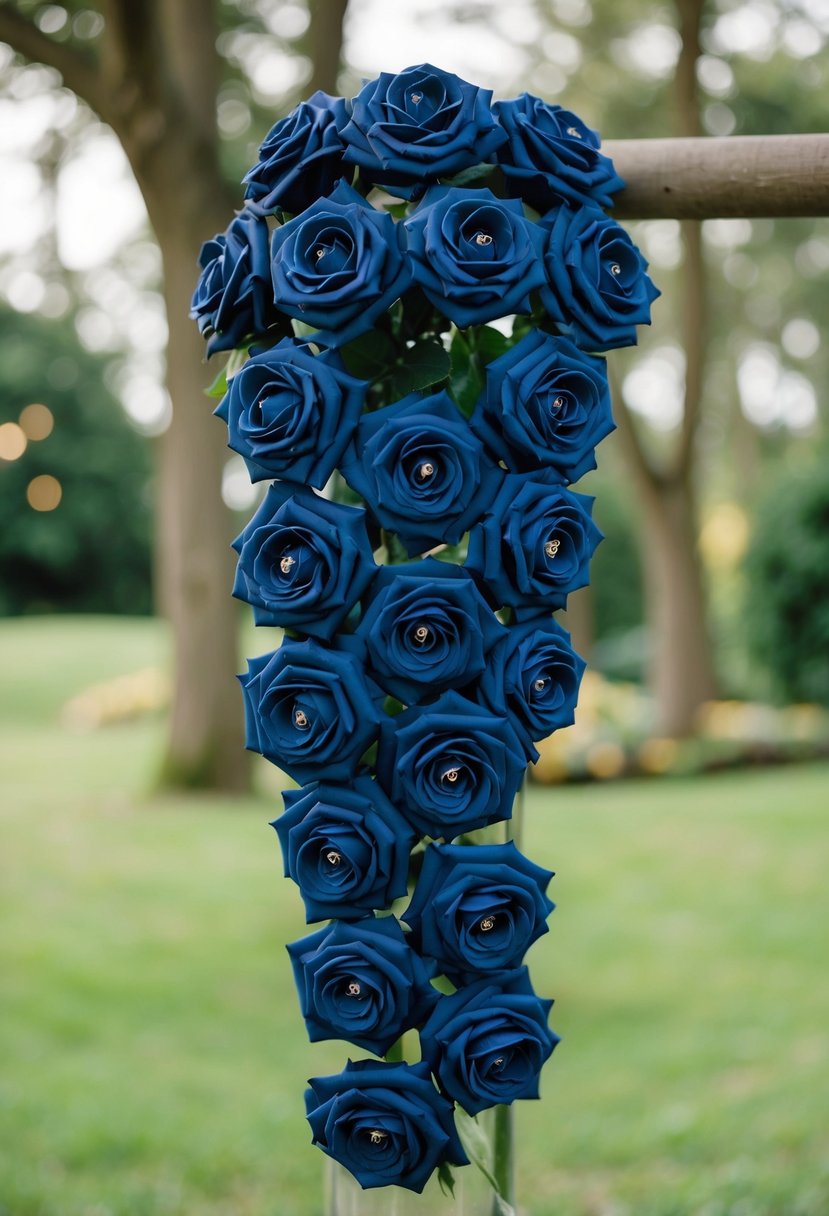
(503, 1166)
(503, 1139)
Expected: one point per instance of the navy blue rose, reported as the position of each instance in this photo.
(338, 266)
(535, 673)
(419, 125)
(361, 981)
(477, 910)
(487, 1043)
(301, 157)
(550, 156)
(451, 766)
(303, 561)
(597, 288)
(290, 413)
(426, 628)
(421, 470)
(535, 543)
(310, 710)
(345, 846)
(545, 404)
(386, 1123)
(233, 299)
(477, 257)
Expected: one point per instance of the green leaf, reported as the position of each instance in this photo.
(395, 549)
(490, 343)
(447, 1180)
(398, 210)
(419, 315)
(395, 1052)
(467, 378)
(370, 356)
(301, 330)
(219, 386)
(423, 365)
(238, 359)
(468, 177)
(235, 361)
(521, 326)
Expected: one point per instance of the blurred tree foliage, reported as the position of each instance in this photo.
(616, 569)
(92, 551)
(761, 70)
(787, 585)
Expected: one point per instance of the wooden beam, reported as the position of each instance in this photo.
(711, 178)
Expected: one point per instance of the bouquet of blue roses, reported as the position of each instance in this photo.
(417, 294)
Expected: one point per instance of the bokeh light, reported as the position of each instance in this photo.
(36, 421)
(44, 492)
(12, 441)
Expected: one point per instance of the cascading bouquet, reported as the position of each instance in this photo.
(420, 662)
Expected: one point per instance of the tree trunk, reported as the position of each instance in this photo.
(579, 620)
(205, 747)
(154, 78)
(680, 666)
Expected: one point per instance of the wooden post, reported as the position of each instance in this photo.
(708, 178)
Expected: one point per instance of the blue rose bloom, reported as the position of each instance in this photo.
(451, 767)
(534, 545)
(477, 910)
(310, 710)
(550, 156)
(476, 257)
(290, 413)
(301, 157)
(487, 1043)
(233, 299)
(425, 628)
(597, 288)
(338, 266)
(304, 562)
(418, 125)
(421, 470)
(361, 981)
(535, 673)
(546, 404)
(386, 1123)
(345, 846)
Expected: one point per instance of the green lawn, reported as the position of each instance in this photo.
(152, 1059)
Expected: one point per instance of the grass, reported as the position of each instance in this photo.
(153, 1059)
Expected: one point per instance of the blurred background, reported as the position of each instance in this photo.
(153, 1056)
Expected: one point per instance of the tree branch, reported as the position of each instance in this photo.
(643, 470)
(78, 70)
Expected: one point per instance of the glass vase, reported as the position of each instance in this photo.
(473, 1196)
